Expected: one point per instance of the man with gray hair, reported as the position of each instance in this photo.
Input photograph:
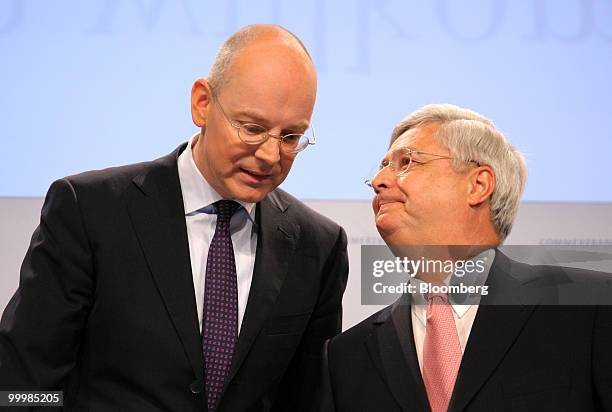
(448, 190)
(191, 282)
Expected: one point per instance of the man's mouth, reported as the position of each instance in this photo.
(255, 176)
(388, 203)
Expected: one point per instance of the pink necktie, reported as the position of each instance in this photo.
(441, 352)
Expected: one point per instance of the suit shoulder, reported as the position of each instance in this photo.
(307, 218)
(113, 180)
(566, 273)
(112, 176)
(553, 274)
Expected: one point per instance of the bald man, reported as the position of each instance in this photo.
(188, 283)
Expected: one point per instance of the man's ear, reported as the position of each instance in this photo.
(481, 185)
(200, 102)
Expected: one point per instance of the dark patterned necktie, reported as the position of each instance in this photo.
(220, 323)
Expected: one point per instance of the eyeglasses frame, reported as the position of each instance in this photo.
(410, 152)
(266, 134)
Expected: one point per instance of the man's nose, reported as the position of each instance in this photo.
(269, 151)
(384, 179)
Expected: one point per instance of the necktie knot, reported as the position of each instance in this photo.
(437, 298)
(226, 209)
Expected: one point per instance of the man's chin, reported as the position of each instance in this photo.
(386, 224)
(250, 198)
(394, 238)
(386, 232)
(250, 194)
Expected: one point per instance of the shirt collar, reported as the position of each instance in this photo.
(198, 194)
(458, 301)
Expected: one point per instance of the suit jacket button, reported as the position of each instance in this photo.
(195, 387)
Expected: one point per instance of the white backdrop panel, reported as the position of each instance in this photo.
(537, 223)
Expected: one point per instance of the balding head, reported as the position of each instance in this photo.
(253, 35)
(262, 76)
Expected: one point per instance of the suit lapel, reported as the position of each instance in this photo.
(155, 206)
(276, 240)
(391, 347)
(494, 331)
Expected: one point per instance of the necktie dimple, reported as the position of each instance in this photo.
(441, 352)
(220, 322)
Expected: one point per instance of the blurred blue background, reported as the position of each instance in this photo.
(92, 84)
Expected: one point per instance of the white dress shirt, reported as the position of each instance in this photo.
(464, 314)
(198, 197)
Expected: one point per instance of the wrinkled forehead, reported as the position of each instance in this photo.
(420, 138)
(405, 140)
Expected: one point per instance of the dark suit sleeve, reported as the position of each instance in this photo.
(41, 326)
(602, 358)
(300, 382)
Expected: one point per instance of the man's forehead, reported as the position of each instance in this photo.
(273, 64)
(418, 138)
(405, 140)
(270, 84)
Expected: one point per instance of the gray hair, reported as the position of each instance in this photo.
(217, 76)
(470, 137)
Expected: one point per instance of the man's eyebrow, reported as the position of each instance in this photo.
(257, 118)
(400, 149)
(384, 159)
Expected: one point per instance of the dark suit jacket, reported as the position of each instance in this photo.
(106, 310)
(518, 358)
